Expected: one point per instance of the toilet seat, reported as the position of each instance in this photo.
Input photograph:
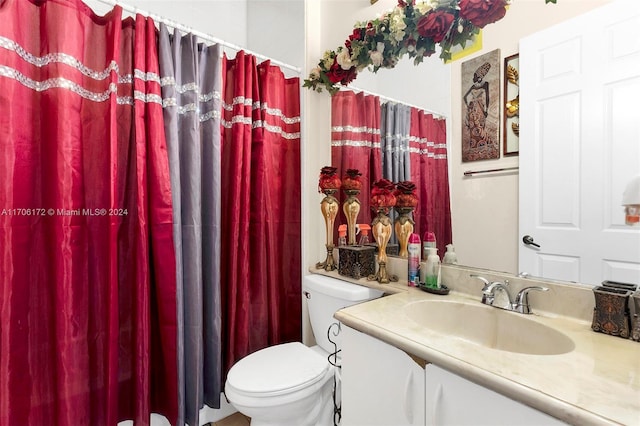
(277, 370)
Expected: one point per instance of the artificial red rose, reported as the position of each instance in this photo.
(328, 179)
(482, 12)
(406, 187)
(405, 194)
(358, 34)
(382, 194)
(435, 25)
(338, 75)
(370, 31)
(352, 180)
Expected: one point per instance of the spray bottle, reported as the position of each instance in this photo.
(429, 242)
(413, 261)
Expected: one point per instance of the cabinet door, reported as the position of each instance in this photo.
(381, 385)
(452, 400)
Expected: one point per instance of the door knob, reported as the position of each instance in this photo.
(528, 240)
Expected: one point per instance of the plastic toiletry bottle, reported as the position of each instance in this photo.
(428, 242)
(342, 235)
(433, 267)
(364, 234)
(450, 256)
(413, 261)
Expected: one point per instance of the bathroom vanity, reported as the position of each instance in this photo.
(416, 358)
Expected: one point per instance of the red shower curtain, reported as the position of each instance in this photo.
(355, 144)
(429, 171)
(261, 231)
(87, 267)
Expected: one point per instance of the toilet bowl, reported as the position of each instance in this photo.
(288, 385)
(292, 384)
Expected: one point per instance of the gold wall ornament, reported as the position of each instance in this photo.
(351, 209)
(329, 208)
(404, 228)
(511, 116)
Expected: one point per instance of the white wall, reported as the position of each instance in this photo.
(223, 19)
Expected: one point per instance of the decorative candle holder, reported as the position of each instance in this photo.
(329, 208)
(351, 208)
(329, 184)
(404, 228)
(406, 202)
(382, 200)
(381, 229)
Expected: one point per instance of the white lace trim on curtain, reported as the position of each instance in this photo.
(274, 112)
(63, 83)
(352, 129)
(203, 98)
(358, 143)
(426, 147)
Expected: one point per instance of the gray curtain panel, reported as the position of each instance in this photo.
(395, 122)
(191, 85)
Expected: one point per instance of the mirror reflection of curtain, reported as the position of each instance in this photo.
(394, 140)
(191, 84)
(261, 222)
(87, 287)
(429, 171)
(355, 144)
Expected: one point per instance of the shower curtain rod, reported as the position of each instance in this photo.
(388, 99)
(199, 34)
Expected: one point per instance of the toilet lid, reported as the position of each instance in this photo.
(278, 369)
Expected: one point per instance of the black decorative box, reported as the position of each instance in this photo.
(392, 249)
(356, 261)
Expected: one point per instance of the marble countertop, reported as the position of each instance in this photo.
(596, 383)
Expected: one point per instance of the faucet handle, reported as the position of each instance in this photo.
(522, 299)
(483, 279)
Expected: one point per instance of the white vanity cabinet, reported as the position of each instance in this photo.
(381, 385)
(384, 386)
(453, 400)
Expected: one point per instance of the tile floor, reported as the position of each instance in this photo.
(236, 419)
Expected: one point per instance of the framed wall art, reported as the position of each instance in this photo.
(481, 107)
(511, 119)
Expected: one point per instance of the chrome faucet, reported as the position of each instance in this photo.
(522, 299)
(492, 289)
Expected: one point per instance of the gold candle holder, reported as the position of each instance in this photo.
(404, 228)
(329, 208)
(351, 209)
(381, 229)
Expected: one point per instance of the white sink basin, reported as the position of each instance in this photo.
(489, 327)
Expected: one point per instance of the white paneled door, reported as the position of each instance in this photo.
(580, 145)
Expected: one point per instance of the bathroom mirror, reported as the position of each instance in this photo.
(483, 201)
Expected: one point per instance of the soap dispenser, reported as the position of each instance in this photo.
(432, 268)
(450, 256)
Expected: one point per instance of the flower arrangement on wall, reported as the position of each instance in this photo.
(413, 28)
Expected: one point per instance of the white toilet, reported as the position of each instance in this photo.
(292, 384)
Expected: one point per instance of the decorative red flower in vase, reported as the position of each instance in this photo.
(351, 182)
(328, 179)
(406, 194)
(382, 194)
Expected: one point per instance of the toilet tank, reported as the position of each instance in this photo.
(325, 296)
